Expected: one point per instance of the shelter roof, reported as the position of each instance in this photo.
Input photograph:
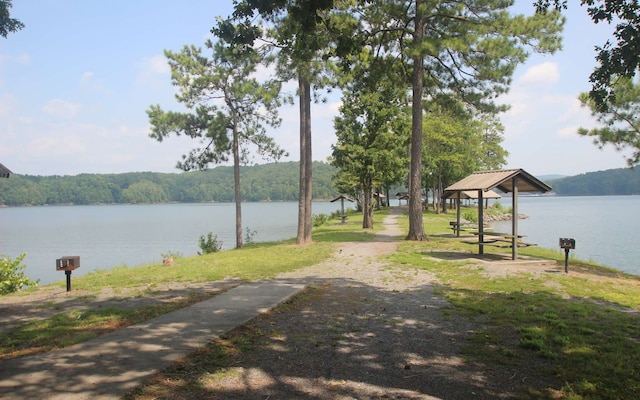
(4, 171)
(343, 197)
(500, 179)
(473, 194)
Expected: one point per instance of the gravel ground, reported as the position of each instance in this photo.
(361, 330)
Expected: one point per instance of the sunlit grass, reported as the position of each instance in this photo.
(254, 261)
(575, 329)
(571, 327)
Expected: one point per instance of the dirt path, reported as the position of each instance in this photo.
(363, 330)
(363, 262)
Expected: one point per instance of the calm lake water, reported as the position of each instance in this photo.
(605, 227)
(107, 236)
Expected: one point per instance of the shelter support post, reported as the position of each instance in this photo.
(458, 215)
(480, 223)
(514, 220)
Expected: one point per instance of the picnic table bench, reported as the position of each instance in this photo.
(497, 239)
(465, 226)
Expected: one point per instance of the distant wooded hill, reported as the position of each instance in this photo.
(622, 181)
(269, 182)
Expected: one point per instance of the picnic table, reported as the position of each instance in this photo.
(497, 239)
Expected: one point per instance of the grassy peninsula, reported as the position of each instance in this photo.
(581, 328)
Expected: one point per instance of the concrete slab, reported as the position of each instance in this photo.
(110, 365)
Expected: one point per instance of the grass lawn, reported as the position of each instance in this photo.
(580, 328)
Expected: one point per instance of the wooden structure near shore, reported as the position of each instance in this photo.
(342, 198)
(511, 181)
(4, 171)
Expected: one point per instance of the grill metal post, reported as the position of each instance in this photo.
(68, 264)
(567, 244)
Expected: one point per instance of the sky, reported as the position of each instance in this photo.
(76, 82)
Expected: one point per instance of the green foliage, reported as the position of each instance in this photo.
(470, 215)
(8, 24)
(222, 128)
(12, 277)
(619, 117)
(319, 219)
(458, 142)
(616, 60)
(371, 131)
(209, 244)
(578, 331)
(266, 182)
(249, 235)
(144, 192)
(497, 209)
(621, 181)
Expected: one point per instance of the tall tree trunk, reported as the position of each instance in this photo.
(236, 182)
(367, 203)
(306, 178)
(416, 226)
(386, 193)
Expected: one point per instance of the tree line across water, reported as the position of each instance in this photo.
(268, 182)
(620, 181)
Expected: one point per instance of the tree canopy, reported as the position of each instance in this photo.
(296, 32)
(230, 109)
(267, 182)
(620, 121)
(615, 60)
(464, 50)
(7, 24)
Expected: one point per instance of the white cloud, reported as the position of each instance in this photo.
(61, 109)
(56, 146)
(156, 65)
(545, 73)
(86, 76)
(7, 102)
(153, 72)
(22, 58)
(568, 131)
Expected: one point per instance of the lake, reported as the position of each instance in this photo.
(605, 227)
(106, 236)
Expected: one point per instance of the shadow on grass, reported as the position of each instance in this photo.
(343, 339)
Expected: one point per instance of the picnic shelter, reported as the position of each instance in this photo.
(4, 171)
(512, 181)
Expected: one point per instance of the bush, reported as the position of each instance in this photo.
(470, 215)
(249, 235)
(319, 219)
(210, 244)
(498, 209)
(12, 276)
